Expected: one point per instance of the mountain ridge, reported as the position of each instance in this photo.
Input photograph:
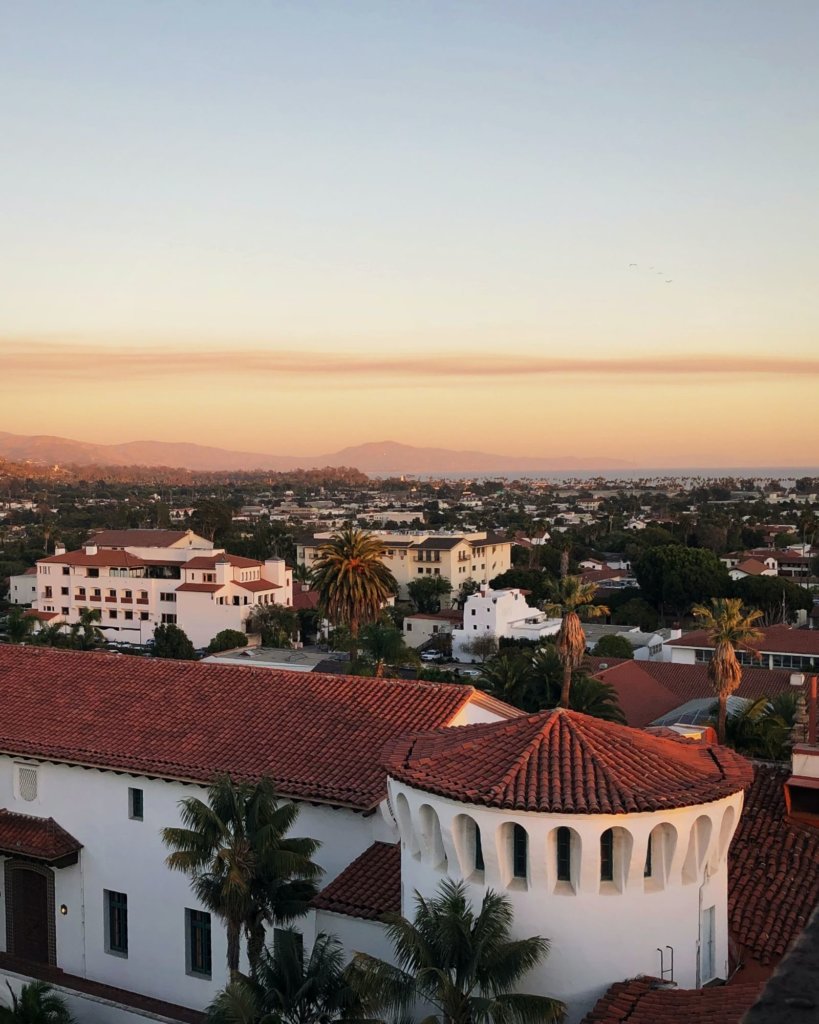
(372, 457)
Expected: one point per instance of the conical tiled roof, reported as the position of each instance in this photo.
(566, 763)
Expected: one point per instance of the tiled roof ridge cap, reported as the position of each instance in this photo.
(546, 723)
(591, 754)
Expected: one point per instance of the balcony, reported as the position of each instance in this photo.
(126, 600)
(111, 600)
(142, 600)
(95, 597)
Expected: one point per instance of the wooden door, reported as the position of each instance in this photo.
(30, 916)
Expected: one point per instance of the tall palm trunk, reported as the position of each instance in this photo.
(722, 716)
(566, 689)
(233, 945)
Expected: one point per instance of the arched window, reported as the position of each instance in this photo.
(607, 856)
(467, 836)
(659, 852)
(520, 851)
(431, 838)
(479, 864)
(564, 854)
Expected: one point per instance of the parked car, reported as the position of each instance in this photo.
(436, 656)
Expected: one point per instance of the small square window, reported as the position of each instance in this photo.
(143, 616)
(135, 804)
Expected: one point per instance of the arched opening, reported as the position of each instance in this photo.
(662, 843)
(469, 846)
(432, 841)
(564, 853)
(726, 829)
(698, 842)
(514, 855)
(405, 826)
(615, 858)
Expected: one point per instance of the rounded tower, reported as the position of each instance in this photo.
(611, 842)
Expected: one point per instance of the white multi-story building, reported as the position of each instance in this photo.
(141, 578)
(608, 841)
(499, 613)
(23, 587)
(458, 557)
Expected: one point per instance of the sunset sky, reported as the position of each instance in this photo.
(536, 228)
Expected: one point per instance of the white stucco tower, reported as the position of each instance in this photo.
(611, 842)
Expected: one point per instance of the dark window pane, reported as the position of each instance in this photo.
(647, 868)
(479, 866)
(199, 941)
(607, 856)
(564, 855)
(519, 844)
(117, 922)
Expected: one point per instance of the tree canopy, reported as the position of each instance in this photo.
(672, 578)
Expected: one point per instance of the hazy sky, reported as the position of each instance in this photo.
(295, 226)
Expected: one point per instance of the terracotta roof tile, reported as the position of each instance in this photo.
(646, 1001)
(369, 887)
(773, 871)
(564, 762)
(304, 599)
(211, 561)
(23, 835)
(775, 640)
(199, 588)
(137, 538)
(257, 585)
(319, 737)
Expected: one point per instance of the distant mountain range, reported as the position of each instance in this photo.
(379, 457)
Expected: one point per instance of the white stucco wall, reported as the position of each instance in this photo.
(128, 856)
(600, 932)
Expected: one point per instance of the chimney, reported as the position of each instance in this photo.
(801, 789)
(59, 548)
(797, 679)
(90, 549)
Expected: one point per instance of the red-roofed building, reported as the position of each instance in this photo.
(780, 647)
(138, 579)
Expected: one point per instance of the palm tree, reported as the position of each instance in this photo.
(85, 633)
(464, 964)
(242, 865)
(512, 677)
(37, 1003)
(596, 698)
(729, 627)
(289, 987)
(352, 580)
(572, 598)
(277, 624)
(51, 634)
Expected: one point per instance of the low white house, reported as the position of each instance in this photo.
(422, 627)
(23, 587)
(499, 613)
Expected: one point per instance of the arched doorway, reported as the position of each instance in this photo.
(30, 912)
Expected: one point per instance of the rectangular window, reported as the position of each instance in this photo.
(66, 571)
(167, 597)
(647, 867)
(198, 960)
(708, 966)
(607, 856)
(168, 619)
(94, 573)
(135, 804)
(112, 614)
(143, 616)
(564, 854)
(129, 616)
(64, 611)
(116, 923)
(519, 851)
(47, 592)
(64, 591)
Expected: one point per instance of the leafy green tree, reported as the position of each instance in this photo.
(483, 647)
(227, 640)
(352, 580)
(635, 612)
(277, 624)
(512, 677)
(571, 599)
(779, 600)
(535, 581)
(613, 646)
(383, 644)
(761, 728)
(730, 628)
(242, 864)
(19, 625)
(290, 987)
(212, 518)
(428, 593)
(38, 1003)
(463, 964)
(673, 578)
(172, 642)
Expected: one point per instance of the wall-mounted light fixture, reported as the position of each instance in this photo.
(63, 909)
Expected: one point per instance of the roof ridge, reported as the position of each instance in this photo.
(548, 718)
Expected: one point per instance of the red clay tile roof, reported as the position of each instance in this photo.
(369, 887)
(137, 538)
(32, 613)
(199, 588)
(304, 599)
(106, 557)
(563, 762)
(775, 640)
(318, 736)
(644, 1001)
(257, 585)
(647, 690)
(773, 871)
(23, 835)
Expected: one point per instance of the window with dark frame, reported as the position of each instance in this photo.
(198, 943)
(136, 804)
(564, 854)
(647, 869)
(520, 843)
(479, 865)
(607, 856)
(117, 906)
